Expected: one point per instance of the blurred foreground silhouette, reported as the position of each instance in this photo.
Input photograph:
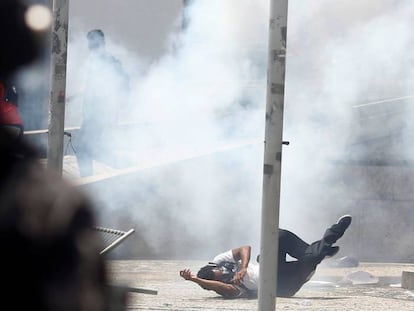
(50, 251)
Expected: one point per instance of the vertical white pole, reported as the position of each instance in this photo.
(272, 155)
(58, 85)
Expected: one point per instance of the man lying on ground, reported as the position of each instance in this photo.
(232, 275)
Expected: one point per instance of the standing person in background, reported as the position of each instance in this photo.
(105, 93)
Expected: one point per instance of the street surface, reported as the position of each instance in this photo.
(327, 290)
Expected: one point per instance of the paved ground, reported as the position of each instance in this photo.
(326, 291)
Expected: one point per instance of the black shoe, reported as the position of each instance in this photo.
(344, 221)
(332, 251)
(336, 231)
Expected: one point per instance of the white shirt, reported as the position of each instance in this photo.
(251, 278)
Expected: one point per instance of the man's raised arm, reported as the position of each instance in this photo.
(241, 253)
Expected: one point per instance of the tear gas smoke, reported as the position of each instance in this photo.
(209, 89)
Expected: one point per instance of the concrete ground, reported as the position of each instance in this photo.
(329, 288)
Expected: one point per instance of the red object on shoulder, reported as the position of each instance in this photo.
(9, 112)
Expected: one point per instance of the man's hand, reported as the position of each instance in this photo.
(238, 277)
(186, 274)
(221, 288)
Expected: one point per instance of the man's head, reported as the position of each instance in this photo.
(222, 272)
(208, 272)
(96, 39)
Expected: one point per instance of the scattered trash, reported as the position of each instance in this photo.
(344, 262)
(360, 278)
(396, 285)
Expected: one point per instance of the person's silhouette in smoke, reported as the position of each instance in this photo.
(105, 93)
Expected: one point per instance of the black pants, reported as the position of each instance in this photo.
(293, 274)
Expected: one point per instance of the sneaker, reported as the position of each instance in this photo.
(344, 221)
(337, 230)
(332, 251)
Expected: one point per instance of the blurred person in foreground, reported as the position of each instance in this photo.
(105, 94)
(232, 275)
(9, 112)
(50, 252)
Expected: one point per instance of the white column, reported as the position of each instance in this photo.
(272, 155)
(58, 84)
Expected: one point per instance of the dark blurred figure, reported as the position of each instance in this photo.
(105, 92)
(50, 252)
(10, 118)
(19, 44)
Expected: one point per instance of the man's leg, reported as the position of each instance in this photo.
(318, 250)
(292, 275)
(85, 163)
(84, 152)
(290, 243)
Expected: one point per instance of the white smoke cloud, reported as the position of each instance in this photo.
(209, 91)
(343, 54)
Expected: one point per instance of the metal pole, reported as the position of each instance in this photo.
(272, 155)
(58, 85)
